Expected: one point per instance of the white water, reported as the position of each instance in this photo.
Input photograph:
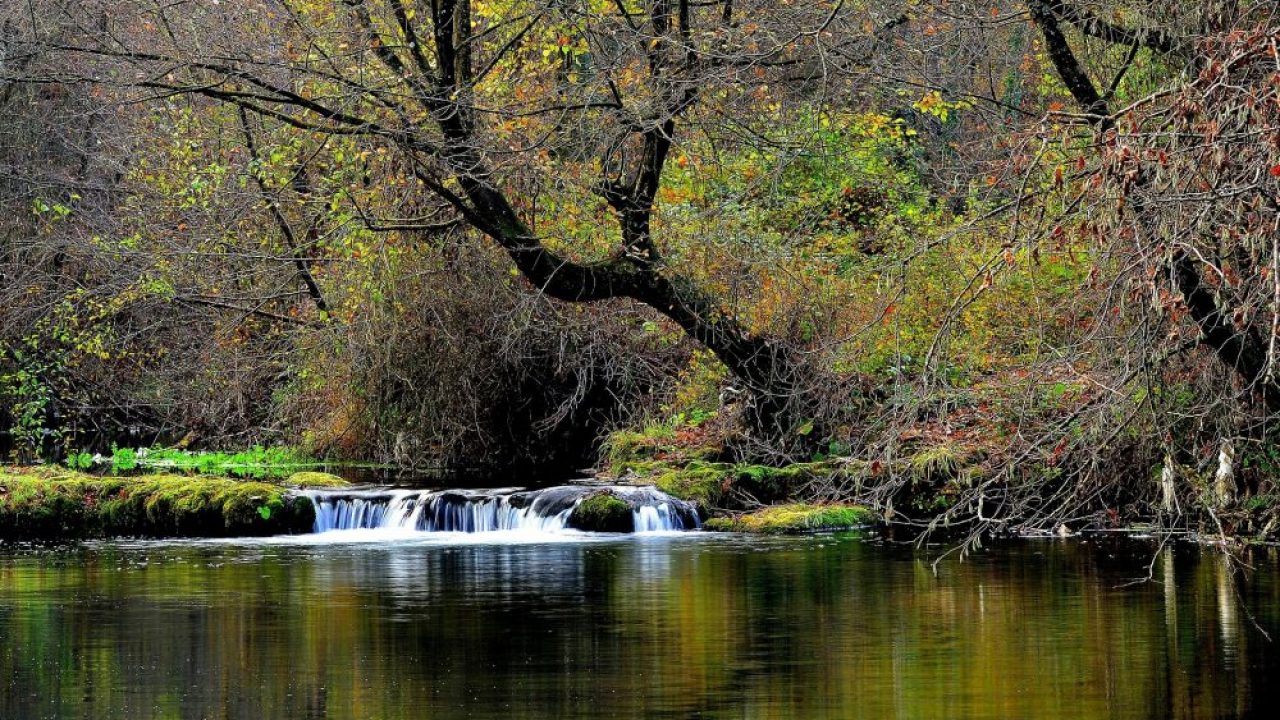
(467, 511)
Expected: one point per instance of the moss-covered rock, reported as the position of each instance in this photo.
(602, 512)
(794, 518)
(42, 504)
(311, 479)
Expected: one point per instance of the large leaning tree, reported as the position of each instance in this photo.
(507, 112)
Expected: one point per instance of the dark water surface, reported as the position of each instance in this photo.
(653, 627)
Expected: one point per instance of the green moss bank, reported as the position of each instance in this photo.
(311, 479)
(709, 484)
(794, 518)
(46, 504)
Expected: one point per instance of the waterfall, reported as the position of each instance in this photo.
(473, 511)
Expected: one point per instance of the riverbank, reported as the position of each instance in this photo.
(942, 488)
(51, 503)
(54, 503)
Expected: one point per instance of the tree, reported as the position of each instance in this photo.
(478, 96)
(48, 164)
(1198, 211)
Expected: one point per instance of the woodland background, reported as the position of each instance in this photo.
(1008, 263)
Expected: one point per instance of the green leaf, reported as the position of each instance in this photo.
(265, 512)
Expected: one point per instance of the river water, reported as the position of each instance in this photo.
(400, 624)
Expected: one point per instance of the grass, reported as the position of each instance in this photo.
(256, 462)
(669, 441)
(794, 518)
(936, 462)
(43, 503)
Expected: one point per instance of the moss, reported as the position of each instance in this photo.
(707, 484)
(309, 479)
(625, 446)
(41, 504)
(602, 512)
(794, 518)
(701, 483)
(1262, 503)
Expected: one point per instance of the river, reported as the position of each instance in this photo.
(403, 624)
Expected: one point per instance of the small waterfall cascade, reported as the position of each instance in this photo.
(473, 511)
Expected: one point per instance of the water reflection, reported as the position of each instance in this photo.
(643, 627)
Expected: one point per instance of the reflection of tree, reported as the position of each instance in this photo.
(806, 628)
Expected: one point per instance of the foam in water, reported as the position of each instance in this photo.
(471, 511)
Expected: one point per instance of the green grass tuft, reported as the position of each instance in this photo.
(255, 462)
